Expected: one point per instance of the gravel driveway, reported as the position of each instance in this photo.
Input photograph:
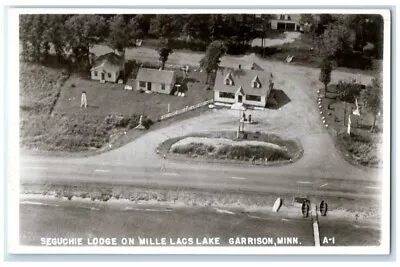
(299, 118)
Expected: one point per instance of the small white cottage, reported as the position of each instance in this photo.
(108, 67)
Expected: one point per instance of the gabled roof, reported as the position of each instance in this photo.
(229, 77)
(241, 91)
(109, 61)
(254, 66)
(257, 80)
(244, 79)
(155, 76)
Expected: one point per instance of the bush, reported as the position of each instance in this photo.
(194, 148)
(349, 91)
(233, 48)
(251, 152)
(147, 122)
(364, 149)
(354, 60)
(194, 45)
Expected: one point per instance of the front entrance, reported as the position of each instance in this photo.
(103, 76)
(240, 98)
(148, 86)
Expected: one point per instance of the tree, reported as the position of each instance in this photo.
(368, 28)
(83, 32)
(214, 27)
(32, 30)
(309, 22)
(118, 38)
(349, 91)
(211, 59)
(164, 51)
(336, 40)
(196, 26)
(123, 34)
(54, 33)
(165, 26)
(325, 74)
(138, 26)
(372, 97)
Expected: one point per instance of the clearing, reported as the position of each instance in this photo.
(51, 117)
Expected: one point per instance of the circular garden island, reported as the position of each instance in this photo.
(255, 147)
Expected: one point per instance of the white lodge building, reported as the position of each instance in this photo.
(250, 87)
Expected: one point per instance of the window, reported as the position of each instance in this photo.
(96, 73)
(253, 98)
(109, 74)
(256, 85)
(142, 84)
(228, 82)
(162, 86)
(226, 95)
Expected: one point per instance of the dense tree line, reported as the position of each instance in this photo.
(71, 36)
(341, 35)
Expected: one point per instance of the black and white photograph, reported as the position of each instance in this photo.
(225, 131)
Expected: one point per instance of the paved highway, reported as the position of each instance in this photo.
(219, 177)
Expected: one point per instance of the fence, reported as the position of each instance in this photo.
(186, 109)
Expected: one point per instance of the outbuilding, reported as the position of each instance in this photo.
(109, 67)
(155, 80)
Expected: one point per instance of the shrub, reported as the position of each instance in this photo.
(250, 152)
(233, 48)
(147, 122)
(194, 45)
(194, 148)
(355, 60)
(365, 149)
(349, 91)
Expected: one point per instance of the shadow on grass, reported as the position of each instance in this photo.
(280, 98)
(131, 69)
(183, 82)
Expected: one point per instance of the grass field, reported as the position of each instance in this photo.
(362, 146)
(52, 119)
(108, 98)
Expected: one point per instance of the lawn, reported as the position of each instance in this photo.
(305, 52)
(362, 146)
(303, 49)
(52, 119)
(108, 98)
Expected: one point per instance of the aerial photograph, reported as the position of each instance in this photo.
(201, 129)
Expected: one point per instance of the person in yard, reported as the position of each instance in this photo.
(83, 99)
(163, 164)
